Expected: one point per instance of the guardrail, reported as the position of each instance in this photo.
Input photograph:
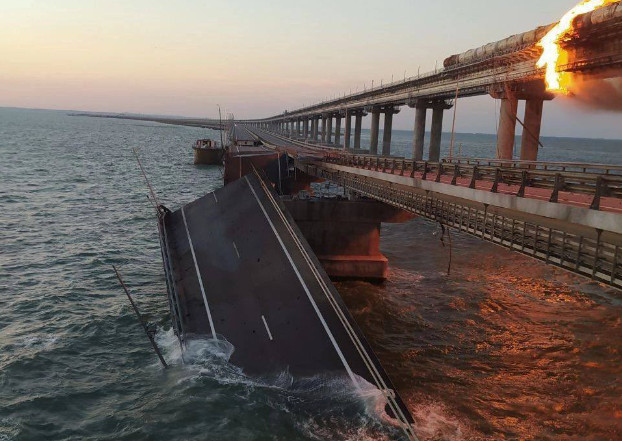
(586, 251)
(583, 167)
(598, 185)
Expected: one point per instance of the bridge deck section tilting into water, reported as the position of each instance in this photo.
(240, 270)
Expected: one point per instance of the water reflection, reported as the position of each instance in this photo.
(503, 348)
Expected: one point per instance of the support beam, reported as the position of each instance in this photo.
(337, 129)
(419, 133)
(305, 128)
(436, 134)
(375, 123)
(323, 129)
(387, 131)
(329, 129)
(348, 131)
(507, 128)
(531, 131)
(316, 123)
(358, 123)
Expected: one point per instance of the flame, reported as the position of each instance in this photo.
(552, 52)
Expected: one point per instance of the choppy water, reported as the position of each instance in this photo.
(504, 348)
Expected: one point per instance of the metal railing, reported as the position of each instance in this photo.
(603, 169)
(597, 185)
(582, 250)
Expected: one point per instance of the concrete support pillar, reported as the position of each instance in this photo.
(436, 133)
(386, 134)
(305, 128)
(531, 131)
(358, 123)
(329, 130)
(337, 129)
(507, 128)
(348, 130)
(297, 128)
(315, 123)
(375, 123)
(324, 130)
(419, 133)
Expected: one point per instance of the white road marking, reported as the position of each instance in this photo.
(196, 267)
(267, 329)
(215, 198)
(304, 286)
(236, 250)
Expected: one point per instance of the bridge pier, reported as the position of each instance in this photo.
(358, 123)
(315, 122)
(305, 128)
(345, 235)
(338, 129)
(388, 129)
(436, 133)
(375, 123)
(506, 134)
(419, 132)
(531, 131)
(323, 137)
(348, 130)
(329, 129)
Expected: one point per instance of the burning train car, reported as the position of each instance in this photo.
(527, 41)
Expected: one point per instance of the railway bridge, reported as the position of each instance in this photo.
(505, 70)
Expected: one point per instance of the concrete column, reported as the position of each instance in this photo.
(375, 122)
(338, 129)
(305, 128)
(323, 130)
(419, 133)
(435, 138)
(507, 128)
(316, 122)
(531, 131)
(358, 123)
(386, 134)
(348, 130)
(329, 130)
(297, 128)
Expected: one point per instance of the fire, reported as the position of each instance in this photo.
(552, 52)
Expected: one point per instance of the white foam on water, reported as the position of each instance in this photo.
(44, 342)
(433, 422)
(329, 405)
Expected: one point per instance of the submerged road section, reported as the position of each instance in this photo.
(239, 270)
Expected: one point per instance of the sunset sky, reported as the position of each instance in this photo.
(255, 58)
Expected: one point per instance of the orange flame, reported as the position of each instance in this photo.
(552, 52)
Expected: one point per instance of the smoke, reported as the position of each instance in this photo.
(597, 93)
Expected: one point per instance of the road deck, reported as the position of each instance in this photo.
(243, 271)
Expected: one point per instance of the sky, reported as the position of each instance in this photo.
(257, 58)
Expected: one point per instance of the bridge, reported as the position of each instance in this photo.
(565, 214)
(506, 70)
